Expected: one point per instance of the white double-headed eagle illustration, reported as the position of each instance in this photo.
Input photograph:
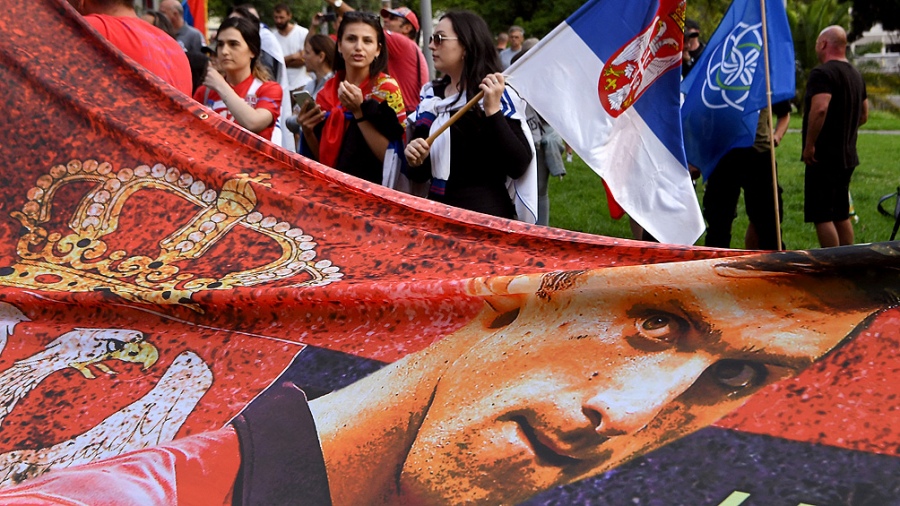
(152, 419)
(642, 65)
(78, 349)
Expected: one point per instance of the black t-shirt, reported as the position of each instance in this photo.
(356, 157)
(836, 144)
(281, 456)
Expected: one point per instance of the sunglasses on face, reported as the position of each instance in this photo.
(439, 39)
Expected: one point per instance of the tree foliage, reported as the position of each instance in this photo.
(868, 12)
(302, 10)
(537, 17)
(807, 20)
(708, 13)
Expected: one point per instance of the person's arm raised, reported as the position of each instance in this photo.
(255, 120)
(352, 98)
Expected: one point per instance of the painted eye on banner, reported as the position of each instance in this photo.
(113, 345)
(662, 327)
(738, 375)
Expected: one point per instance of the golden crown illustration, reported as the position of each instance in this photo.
(77, 259)
(679, 14)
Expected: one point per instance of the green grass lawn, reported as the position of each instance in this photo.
(878, 120)
(578, 202)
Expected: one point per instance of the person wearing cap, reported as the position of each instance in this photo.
(407, 63)
(693, 46)
(401, 20)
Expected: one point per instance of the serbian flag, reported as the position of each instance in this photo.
(725, 91)
(607, 80)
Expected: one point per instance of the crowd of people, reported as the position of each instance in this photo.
(370, 109)
(350, 97)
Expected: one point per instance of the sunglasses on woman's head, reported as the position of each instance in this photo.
(355, 15)
(439, 39)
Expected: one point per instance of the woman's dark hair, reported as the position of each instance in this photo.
(250, 32)
(323, 44)
(379, 64)
(243, 11)
(162, 22)
(481, 56)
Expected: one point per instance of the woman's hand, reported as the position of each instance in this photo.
(310, 116)
(215, 81)
(351, 98)
(493, 86)
(416, 152)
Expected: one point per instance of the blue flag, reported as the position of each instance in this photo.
(726, 89)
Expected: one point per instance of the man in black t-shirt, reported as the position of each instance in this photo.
(834, 108)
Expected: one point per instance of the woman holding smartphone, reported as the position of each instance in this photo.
(318, 52)
(470, 165)
(360, 111)
(242, 90)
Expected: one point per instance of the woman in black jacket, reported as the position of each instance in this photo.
(470, 164)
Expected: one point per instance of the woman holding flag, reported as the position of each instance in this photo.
(360, 111)
(490, 143)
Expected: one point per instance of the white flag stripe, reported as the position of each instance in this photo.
(559, 78)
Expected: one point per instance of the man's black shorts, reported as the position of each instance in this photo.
(826, 193)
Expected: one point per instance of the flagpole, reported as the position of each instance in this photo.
(765, 35)
(458, 114)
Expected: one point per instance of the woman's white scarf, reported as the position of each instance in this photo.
(522, 191)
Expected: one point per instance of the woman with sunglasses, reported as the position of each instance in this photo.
(360, 111)
(242, 90)
(470, 165)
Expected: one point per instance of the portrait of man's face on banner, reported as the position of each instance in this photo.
(567, 375)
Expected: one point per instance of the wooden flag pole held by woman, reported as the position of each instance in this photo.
(458, 114)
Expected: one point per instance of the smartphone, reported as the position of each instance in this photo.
(300, 98)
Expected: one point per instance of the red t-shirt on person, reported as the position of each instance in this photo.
(407, 65)
(268, 96)
(144, 43)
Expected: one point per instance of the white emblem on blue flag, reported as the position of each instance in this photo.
(730, 74)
